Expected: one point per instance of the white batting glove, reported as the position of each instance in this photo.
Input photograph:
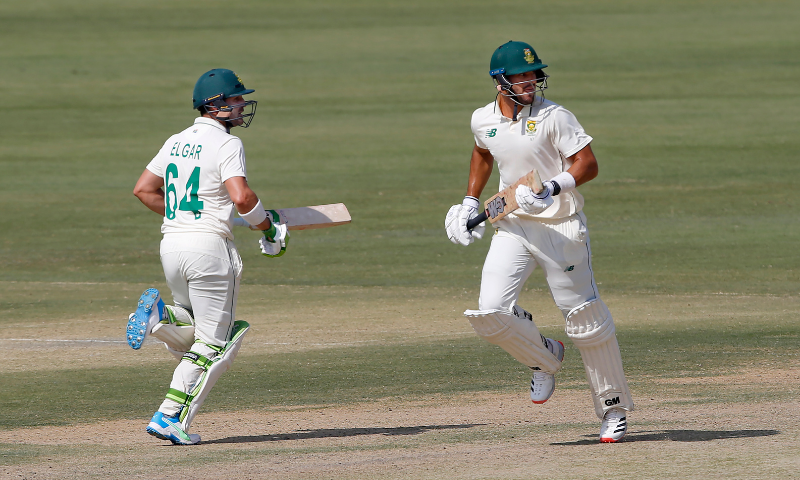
(533, 203)
(274, 245)
(455, 223)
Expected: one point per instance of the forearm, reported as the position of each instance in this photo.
(246, 201)
(584, 166)
(480, 169)
(148, 191)
(153, 200)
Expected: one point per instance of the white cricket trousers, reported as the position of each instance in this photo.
(203, 272)
(560, 247)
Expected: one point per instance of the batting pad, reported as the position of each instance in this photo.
(213, 370)
(591, 329)
(178, 334)
(516, 334)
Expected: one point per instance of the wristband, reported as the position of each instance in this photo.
(256, 215)
(471, 202)
(564, 182)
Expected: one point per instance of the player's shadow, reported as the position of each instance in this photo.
(680, 436)
(341, 432)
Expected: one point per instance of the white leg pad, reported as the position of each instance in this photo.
(219, 365)
(515, 332)
(591, 329)
(178, 334)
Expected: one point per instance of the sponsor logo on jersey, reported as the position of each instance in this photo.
(529, 57)
(491, 133)
(530, 127)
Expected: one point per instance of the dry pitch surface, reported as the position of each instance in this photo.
(484, 435)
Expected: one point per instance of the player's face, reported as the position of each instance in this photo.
(235, 115)
(524, 85)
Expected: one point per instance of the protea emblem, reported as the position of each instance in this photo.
(529, 56)
(530, 127)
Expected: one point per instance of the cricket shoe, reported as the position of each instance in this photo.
(615, 424)
(544, 384)
(171, 428)
(148, 313)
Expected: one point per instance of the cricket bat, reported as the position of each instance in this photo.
(505, 202)
(306, 218)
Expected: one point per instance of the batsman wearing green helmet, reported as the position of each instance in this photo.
(196, 182)
(520, 131)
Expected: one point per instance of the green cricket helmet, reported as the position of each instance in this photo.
(513, 58)
(214, 86)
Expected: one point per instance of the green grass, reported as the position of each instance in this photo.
(693, 347)
(692, 106)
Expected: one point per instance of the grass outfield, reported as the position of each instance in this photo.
(693, 222)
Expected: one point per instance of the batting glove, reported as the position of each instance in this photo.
(533, 203)
(455, 223)
(276, 238)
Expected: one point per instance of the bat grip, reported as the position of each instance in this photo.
(475, 221)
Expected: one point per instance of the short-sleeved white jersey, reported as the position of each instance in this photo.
(194, 165)
(542, 139)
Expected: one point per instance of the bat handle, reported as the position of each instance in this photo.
(475, 221)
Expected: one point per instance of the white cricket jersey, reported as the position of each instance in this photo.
(542, 139)
(194, 165)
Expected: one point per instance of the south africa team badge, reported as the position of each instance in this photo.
(530, 127)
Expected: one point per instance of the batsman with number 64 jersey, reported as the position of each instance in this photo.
(522, 131)
(196, 181)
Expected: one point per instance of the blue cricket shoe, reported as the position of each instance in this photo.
(171, 428)
(148, 313)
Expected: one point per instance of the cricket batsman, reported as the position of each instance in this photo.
(522, 131)
(195, 182)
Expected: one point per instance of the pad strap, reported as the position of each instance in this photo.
(179, 397)
(199, 360)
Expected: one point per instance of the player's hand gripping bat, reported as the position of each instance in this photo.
(306, 218)
(505, 202)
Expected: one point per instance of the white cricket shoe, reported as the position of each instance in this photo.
(544, 384)
(615, 424)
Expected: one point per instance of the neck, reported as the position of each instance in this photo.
(507, 107)
(221, 122)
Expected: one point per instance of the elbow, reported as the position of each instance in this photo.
(592, 172)
(240, 199)
(245, 201)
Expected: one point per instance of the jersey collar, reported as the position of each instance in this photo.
(210, 122)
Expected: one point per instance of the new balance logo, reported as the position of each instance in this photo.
(491, 133)
(611, 401)
(570, 268)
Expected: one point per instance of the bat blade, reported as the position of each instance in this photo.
(505, 202)
(317, 216)
(307, 218)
